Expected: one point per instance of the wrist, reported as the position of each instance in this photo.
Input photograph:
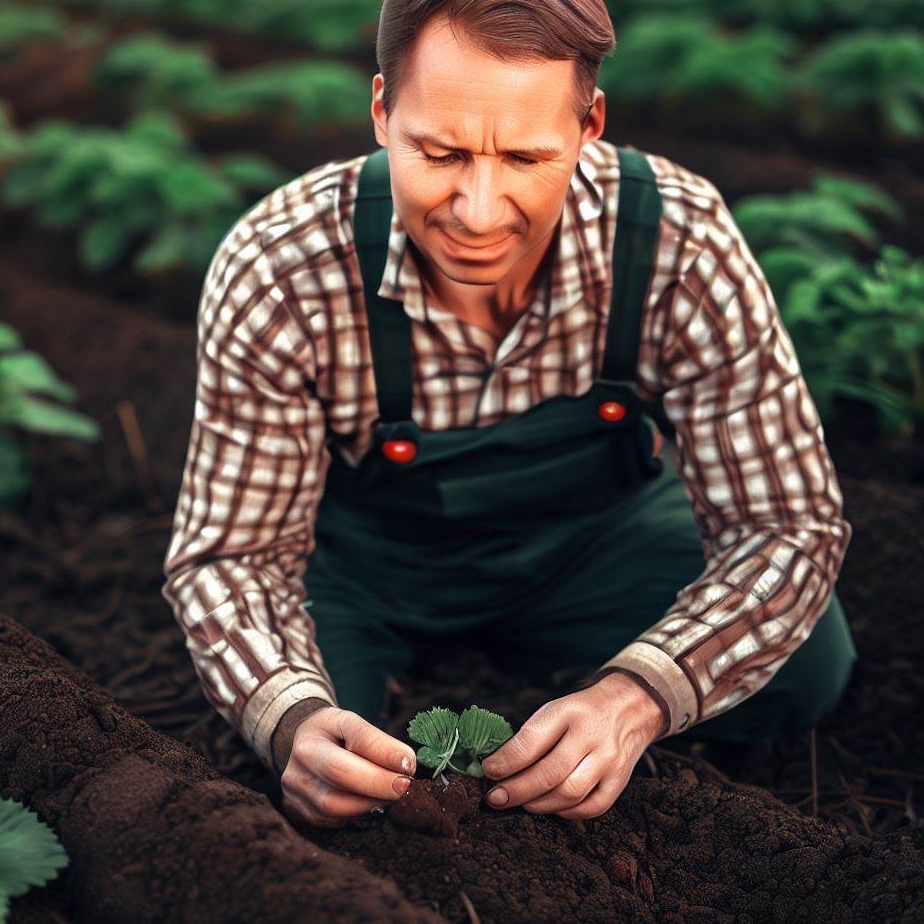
(283, 736)
(650, 707)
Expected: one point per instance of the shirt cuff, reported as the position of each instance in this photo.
(270, 702)
(665, 677)
(283, 735)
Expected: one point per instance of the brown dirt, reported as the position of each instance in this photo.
(142, 815)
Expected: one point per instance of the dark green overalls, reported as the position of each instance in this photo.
(555, 537)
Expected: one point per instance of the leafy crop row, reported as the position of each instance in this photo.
(153, 71)
(673, 58)
(858, 328)
(664, 57)
(796, 16)
(325, 25)
(343, 25)
(143, 190)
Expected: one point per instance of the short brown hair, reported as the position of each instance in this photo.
(511, 30)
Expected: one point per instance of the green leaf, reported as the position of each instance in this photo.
(168, 249)
(28, 372)
(247, 171)
(437, 729)
(44, 417)
(428, 757)
(30, 853)
(434, 728)
(862, 195)
(103, 243)
(9, 338)
(481, 732)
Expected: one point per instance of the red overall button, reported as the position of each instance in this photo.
(400, 450)
(612, 410)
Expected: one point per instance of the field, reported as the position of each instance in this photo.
(165, 813)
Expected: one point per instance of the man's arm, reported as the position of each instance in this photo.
(765, 496)
(243, 526)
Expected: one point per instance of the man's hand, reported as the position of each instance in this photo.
(342, 766)
(574, 756)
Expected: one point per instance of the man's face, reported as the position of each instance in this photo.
(481, 116)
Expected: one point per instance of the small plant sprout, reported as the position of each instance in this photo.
(30, 852)
(459, 742)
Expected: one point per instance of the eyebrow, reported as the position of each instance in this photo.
(536, 153)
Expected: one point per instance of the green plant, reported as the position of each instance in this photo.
(331, 26)
(859, 332)
(30, 853)
(460, 742)
(23, 376)
(143, 187)
(795, 16)
(152, 70)
(318, 92)
(792, 234)
(20, 25)
(680, 55)
(880, 73)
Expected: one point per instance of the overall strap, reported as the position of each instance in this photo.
(638, 218)
(389, 324)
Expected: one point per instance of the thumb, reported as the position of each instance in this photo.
(367, 740)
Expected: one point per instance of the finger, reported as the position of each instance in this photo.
(365, 739)
(599, 801)
(537, 736)
(545, 775)
(573, 790)
(298, 811)
(326, 801)
(342, 769)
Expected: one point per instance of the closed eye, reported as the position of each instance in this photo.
(448, 159)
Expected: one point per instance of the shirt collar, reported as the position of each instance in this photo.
(578, 240)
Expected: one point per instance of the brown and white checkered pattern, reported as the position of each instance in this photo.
(284, 363)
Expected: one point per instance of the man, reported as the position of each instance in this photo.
(423, 374)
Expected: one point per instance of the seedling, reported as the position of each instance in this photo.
(30, 852)
(459, 742)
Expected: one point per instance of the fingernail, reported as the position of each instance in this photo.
(401, 785)
(406, 764)
(498, 796)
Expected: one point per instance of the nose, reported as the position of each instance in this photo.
(478, 205)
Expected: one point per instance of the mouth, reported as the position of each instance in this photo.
(472, 251)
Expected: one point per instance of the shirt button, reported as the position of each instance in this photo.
(400, 450)
(612, 410)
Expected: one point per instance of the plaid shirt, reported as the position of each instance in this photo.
(283, 354)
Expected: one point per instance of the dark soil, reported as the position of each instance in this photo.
(152, 832)
(823, 826)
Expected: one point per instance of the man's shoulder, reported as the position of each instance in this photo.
(686, 196)
(306, 216)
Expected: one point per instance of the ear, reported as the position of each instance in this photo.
(378, 111)
(596, 118)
